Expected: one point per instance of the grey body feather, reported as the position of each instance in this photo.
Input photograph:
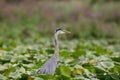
(49, 67)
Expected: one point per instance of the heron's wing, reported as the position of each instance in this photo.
(49, 67)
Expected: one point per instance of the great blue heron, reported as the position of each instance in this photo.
(50, 66)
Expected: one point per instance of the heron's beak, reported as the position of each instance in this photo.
(66, 32)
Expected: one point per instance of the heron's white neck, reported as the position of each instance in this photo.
(56, 52)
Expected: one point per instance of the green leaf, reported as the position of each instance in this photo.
(25, 77)
(107, 64)
(2, 68)
(115, 76)
(50, 51)
(79, 69)
(78, 53)
(15, 75)
(2, 77)
(6, 57)
(28, 65)
(87, 73)
(38, 78)
(65, 54)
(117, 59)
(64, 70)
(22, 70)
(46, 76)
(99, 69)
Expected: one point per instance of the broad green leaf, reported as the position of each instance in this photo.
(65, 54)
(69, 60)
(80, 77)
(79, 69)
(46, 76)
(38, 78)
(3, 67)
(6, 57)
(15, 75)
(22, 70)
(50, 51)
(29, 65)
(64, 70)
(2, 77)
(117, 59)
(99, 69)
(115, 76)
(87, 73)
(107, 64)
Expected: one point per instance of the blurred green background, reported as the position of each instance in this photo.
(36, 18)
(90, 52)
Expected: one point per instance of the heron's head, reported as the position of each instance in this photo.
(61, 31)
